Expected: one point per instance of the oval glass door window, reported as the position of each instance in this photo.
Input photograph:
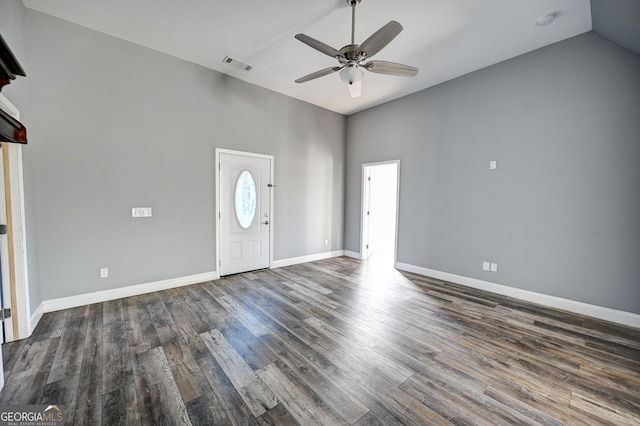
(246, 199)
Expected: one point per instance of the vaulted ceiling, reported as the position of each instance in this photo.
(443, 38)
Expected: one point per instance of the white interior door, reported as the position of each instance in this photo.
(245, 212)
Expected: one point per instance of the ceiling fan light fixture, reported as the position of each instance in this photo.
(355, 89)
(351, 74)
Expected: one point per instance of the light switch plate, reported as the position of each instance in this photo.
(493, 165)
(141, 212)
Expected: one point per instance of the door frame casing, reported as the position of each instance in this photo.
(17, 240)
(363, 207)
(271, 159)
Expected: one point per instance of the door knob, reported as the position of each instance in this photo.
(266, 222)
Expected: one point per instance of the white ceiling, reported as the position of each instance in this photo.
(443, 38)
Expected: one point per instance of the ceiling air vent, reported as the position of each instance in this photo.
(237, 63)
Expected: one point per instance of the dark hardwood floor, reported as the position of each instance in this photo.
(332, 342)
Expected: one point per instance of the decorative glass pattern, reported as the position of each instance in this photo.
(246, 199)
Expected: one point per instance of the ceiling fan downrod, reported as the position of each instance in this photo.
(353, 4)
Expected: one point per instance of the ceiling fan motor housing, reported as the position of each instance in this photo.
(350, 52)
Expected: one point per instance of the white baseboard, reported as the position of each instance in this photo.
(353, 254)
(600, 312)
(134, 290)
(35, 318)
(304, 259)
(118, 293)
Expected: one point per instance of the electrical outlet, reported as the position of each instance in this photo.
(485, 266)
(494, 267)
(104, 272)
(493, 165)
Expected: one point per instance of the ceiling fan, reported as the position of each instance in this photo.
(352, 57)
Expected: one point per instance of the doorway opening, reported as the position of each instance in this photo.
(14, 288)
(380, 201)
(14, 274)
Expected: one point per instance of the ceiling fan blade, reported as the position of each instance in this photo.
(380, 38)
(317, 74)
(319, 46)
(391, 68)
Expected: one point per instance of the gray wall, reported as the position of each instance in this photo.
(12, 28)
(560, 215)
(618, 20)
(115, 126)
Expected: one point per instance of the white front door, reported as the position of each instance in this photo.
(245, 210)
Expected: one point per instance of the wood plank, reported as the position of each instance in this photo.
(117, 368)
(186, 371)
(386, 405)
(160, 317)
(69, 355)
(112, 312)
(243, 315)
(63, 392)
(207, 410)
(159, 400)
(89, 399)
(50, 326)
(141, 332)
(10, 353)
(291, 276)
(348, 355)
(343, 403)
(277, 416)
(301, 402)
(158, 312)
(120, 406)
(529, 411)
(603, 412)
(182, 307)
(251, 388)
(225, 393)
(458, 405)
(28, 378)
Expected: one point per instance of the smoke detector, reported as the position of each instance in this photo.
(546, 19)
